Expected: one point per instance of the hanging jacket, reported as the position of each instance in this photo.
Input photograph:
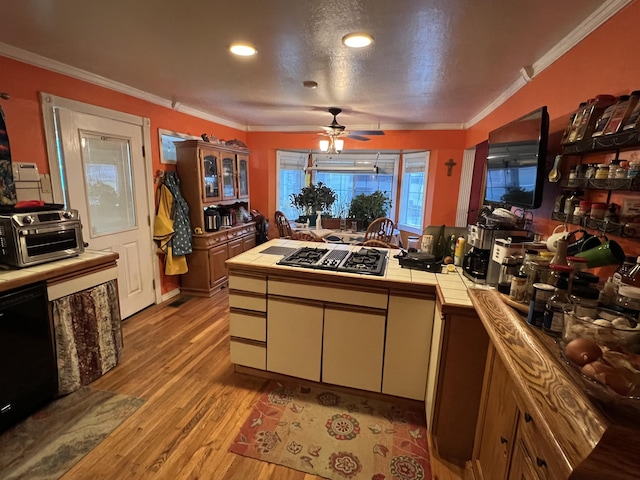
(169, 227)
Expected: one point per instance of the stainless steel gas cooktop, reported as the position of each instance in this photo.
(369, 261)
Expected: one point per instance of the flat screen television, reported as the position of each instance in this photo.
(516, 162)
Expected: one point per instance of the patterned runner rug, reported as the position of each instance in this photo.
(335, 435)
(52, 440)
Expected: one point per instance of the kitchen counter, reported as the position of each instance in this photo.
(56, 271)
(451, 286)
(594, 442)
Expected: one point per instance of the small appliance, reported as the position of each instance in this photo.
(30, 238)
(212, 219)
(477, 263)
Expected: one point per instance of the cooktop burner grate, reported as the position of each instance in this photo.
(366, 260)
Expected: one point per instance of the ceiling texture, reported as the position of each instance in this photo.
(433, 63)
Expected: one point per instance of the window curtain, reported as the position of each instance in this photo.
(87, 334)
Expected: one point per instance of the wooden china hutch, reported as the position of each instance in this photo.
(214, 174)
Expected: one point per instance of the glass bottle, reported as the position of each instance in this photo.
(553, 320)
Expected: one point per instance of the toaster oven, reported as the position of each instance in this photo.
(31, 238)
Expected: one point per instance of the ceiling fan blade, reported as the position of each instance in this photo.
(356, 137)
(367, 132)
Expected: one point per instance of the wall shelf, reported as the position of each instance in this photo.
(628, 230)
(605, 143)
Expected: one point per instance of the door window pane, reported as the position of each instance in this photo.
(413, 191)
(107, 167)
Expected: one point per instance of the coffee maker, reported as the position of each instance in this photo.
(477, 264)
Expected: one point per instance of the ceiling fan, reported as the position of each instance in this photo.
(335, 130)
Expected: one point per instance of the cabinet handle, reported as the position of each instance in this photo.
(503, 440)
(527, 417)
(540, 462)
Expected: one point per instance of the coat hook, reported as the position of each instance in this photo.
(4, 96)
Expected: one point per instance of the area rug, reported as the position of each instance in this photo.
(335, 435)
(49, 442)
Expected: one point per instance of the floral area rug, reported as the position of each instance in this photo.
(335, 435)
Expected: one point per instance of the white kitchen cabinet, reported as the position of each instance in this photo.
(353, 347)
(294, 337)
(408, 338)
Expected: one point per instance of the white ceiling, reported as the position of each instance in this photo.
(433, 62)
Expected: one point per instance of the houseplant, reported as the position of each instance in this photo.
(369, 207)
(313, 198)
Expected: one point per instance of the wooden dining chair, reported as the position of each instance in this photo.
(380, 229)
(284, 227)
(379, 243)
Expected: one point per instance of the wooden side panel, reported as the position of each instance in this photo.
(406, 355)
(434, 366)
(353, 349)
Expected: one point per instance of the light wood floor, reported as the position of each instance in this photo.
(177, 358)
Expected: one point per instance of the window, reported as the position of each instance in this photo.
(346, 174)
(415, 168)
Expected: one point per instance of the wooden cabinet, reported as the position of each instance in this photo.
(407, 345)
(509, 444)
(353, 346)
(207, 272)
(294, 337)
(211, 174)
(497, 422)
(454, 385)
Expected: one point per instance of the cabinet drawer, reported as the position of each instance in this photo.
(544, 457)
(248, 284)
(248, 325)
(364, 298)
(248, 301)
(248, 354)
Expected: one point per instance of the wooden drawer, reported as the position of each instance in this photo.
(247, 324)
(364, 298)
(543, 454)
(248, 354)
(248, 301)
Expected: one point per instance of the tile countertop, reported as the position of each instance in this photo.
(453, 285)
(11, 277)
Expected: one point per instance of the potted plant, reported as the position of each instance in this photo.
(367, 208)
(313, 198)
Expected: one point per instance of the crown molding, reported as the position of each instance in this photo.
(64, 69)
(588, 26)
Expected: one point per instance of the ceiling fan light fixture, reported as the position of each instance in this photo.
(357, 40)
(242, 50)
(339, 144)
(324, 145)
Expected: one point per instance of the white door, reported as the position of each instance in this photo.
(105, 182)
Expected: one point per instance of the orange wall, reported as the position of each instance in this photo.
(604, 62)
(443, 145)
(25, 127)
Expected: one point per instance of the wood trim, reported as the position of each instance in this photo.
(425, 295)
(296, 301)
(355, 308)
(245, 293)
(335, 282)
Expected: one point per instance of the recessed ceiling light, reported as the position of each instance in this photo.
(242, 49)
(357, 40)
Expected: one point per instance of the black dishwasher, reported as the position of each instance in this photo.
(28, 373)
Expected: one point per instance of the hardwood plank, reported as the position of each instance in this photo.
(177, 358)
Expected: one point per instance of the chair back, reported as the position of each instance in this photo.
(284, 227)
(380, 229)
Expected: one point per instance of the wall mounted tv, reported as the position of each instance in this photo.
(516, 161)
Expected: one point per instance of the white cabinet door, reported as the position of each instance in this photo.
(353, 348)
(294, 338)
(406, 354)
(434, 367)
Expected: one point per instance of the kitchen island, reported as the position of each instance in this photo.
(496, 395)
